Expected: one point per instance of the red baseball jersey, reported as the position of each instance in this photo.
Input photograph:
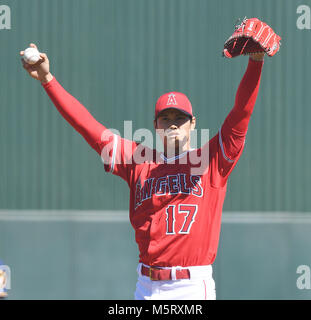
(175, 204)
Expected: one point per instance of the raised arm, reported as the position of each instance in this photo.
(69, 107)
(235, 126)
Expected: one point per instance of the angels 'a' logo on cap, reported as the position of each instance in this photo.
(171, 100)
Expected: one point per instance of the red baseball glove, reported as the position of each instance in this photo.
(252, 36)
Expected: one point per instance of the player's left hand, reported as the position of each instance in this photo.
(257, 56)
(252, 36)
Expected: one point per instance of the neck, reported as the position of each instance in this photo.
(173, 152)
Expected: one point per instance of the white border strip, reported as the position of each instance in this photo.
(123, 216)
(114, 152)
(222, 148)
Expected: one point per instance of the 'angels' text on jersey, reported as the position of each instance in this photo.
(168, 185)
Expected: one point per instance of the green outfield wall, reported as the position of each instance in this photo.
(117, 57)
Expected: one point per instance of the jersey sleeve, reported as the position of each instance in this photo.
(227, 146)
(116, 153)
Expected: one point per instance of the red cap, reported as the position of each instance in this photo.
(175, 100)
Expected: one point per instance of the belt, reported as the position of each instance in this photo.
(157, 274)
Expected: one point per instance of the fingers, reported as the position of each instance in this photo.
(33, 69)
(32, 45)
(23, 62)
(26, 66)
(43, 57)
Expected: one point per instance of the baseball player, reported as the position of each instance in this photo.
(175, 202)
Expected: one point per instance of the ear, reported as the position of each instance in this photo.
(155, 124)
(193, 123)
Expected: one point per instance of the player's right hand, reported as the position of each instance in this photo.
(40, 70)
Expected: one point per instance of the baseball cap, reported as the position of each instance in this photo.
(175, 100)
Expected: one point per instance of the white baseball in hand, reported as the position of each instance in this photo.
(31, 55)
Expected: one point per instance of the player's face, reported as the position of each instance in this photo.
(174, 127)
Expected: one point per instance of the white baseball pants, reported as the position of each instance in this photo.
(200, 286)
